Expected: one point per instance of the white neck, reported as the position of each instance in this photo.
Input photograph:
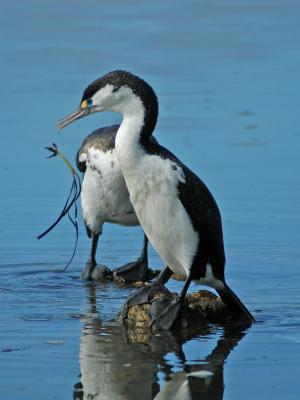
(128, 148)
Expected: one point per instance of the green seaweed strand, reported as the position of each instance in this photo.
(71, 200)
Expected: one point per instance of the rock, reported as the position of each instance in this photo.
(199, 309)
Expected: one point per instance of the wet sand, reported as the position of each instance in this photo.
(227, 78)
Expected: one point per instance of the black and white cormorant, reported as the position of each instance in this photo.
(105, 198)
(175, 208)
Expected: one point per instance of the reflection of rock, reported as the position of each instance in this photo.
(115, 365)
(110, 367)
(199, 308)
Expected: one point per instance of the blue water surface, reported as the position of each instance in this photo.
(227, 78)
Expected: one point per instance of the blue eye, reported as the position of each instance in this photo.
(89, 102)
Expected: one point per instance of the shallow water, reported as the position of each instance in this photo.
(227, 76)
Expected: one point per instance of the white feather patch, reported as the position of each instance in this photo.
(104, 196)
(154, 195)
(201, 374)
(210, 280)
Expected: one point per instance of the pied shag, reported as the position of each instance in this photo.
(175, 208)
(105, 198)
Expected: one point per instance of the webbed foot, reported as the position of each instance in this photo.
(164, 313)
(96, 272)
(133, 271)
(145, 294)
(142, 296)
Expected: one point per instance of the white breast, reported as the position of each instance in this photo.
(154, 195)
(104, 196)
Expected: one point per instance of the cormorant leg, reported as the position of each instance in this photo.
(165, 312)
(145, 294)
(137, 270)
(92, 271)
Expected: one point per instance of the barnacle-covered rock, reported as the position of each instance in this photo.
(199, 309)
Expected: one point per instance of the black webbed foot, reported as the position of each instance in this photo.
(164, 313)
(134, 271)
(145, 294)
(95, 272)
(142, 296)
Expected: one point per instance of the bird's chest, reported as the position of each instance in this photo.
(153, 188)
(104, 191)
(152, 185)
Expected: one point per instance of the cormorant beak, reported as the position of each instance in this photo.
(74, 116)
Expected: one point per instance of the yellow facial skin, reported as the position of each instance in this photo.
(84, 104)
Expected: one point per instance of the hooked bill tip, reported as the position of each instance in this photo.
(60, 125)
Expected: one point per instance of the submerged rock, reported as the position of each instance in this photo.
(199, 309)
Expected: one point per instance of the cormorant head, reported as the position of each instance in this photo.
(118, 91)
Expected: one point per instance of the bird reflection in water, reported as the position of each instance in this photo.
(114, 368)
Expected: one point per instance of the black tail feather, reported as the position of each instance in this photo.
(234, 303)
